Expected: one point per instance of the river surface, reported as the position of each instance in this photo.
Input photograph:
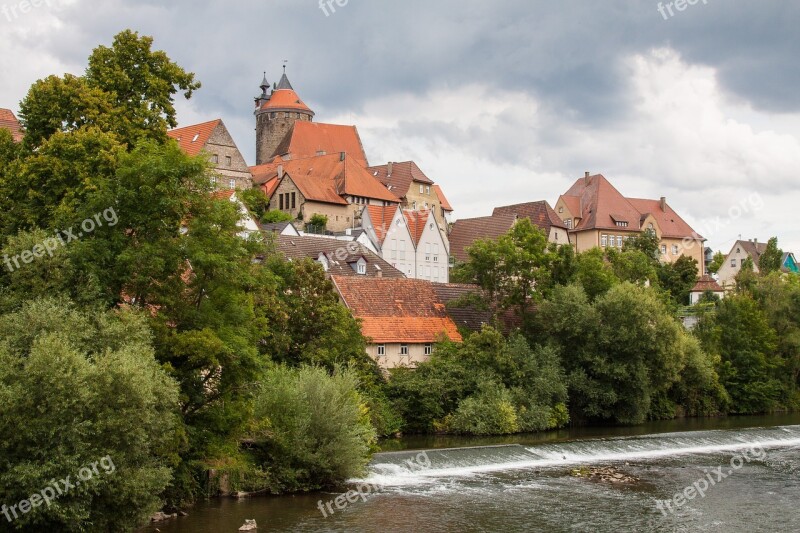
(747, 469)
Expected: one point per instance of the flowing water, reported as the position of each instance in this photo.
(749, 478)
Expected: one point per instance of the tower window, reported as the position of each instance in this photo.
(228, 160)
(293, 200)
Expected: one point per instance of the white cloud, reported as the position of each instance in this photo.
(683, 138)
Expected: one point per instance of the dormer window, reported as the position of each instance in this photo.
(196, 136)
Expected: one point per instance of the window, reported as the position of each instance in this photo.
(427, 251)
(604, 240)
(663, 249)
(381, 350)
(362, 268)
(675, 249)
(232, 183)
(428, 190)
(228, 160)
(619, 241)
(426, 205)
(404, 349)
(733, 263)
(427, 272)
(622, 224)
(428, 349)
(213, 180)
(421, 189)
(280, 201)
(414, 206)
(272, 115)
(402, 249)
(561, 209)
(215, 159)
(394, 249)
(293, 199)
(568, 223)
(436, 274)
(435, 253)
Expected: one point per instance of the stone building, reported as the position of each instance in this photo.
(276, 112)
(213, 138)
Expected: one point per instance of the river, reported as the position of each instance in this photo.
(747, 469)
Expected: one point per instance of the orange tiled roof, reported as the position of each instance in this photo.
(381, 218)
(445, 204)
(223, 194)
(285, 99)
(397, 310)
(9, 122)
(192, 139)
(270, 186)
(308, 139)
(327, 178)
(416, 220)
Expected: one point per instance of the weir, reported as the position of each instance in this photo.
(403, 468)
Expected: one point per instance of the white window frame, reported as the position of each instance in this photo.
(428, 349)
(603, 241)
(404, 349)
(381, 350)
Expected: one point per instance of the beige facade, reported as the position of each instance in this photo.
(400, 355)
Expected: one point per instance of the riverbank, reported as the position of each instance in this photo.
(526, 480)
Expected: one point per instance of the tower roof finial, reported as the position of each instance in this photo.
(264, 83)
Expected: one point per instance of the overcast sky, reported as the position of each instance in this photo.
(499, 101)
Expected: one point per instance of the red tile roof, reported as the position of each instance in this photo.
(308, 139)
(600, 206)
(468, 230)
(402, 176)
(9, 122)
(668, 220)
(445, 204)
(223, 194)
(192, 139)
(270, 186)
(540, 214)
(397, 310)
(707, 283)
(285, 99)
(381, 218)
(416, 220)
(327, 179)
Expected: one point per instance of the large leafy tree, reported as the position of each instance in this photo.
(77, 387)
(679, 277)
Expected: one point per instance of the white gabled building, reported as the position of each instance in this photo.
(411, 241)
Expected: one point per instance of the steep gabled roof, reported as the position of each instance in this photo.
(540, 214)
(381, 218)
(416, 221)
(327, 178)
(309, 139)
(468, 230)
(753, 249)
(9, 122)
(340, 255)
(397, 310)
(402, 176)
(442, 199)
(466, 315)
(598, 199)
(192, 139)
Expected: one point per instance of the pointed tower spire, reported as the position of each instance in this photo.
(264, 84)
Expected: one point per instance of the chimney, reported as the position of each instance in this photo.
(586, 177)
(663, 203)
(342, 156)
(379, 274)
(755, 241)
(280, 171)
(389, 170)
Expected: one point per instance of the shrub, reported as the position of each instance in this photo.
(489, 412)
(312, 430)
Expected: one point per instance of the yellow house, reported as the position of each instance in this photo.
(598, 215)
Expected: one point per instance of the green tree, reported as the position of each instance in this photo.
(276, 216)
(257, 203)
(594, 274)
(716, 263)
(77, 387)
(679, 278)
(770, 260)
(740, 334)
(317, 223)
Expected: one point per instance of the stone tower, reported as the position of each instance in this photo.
(276, 112)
